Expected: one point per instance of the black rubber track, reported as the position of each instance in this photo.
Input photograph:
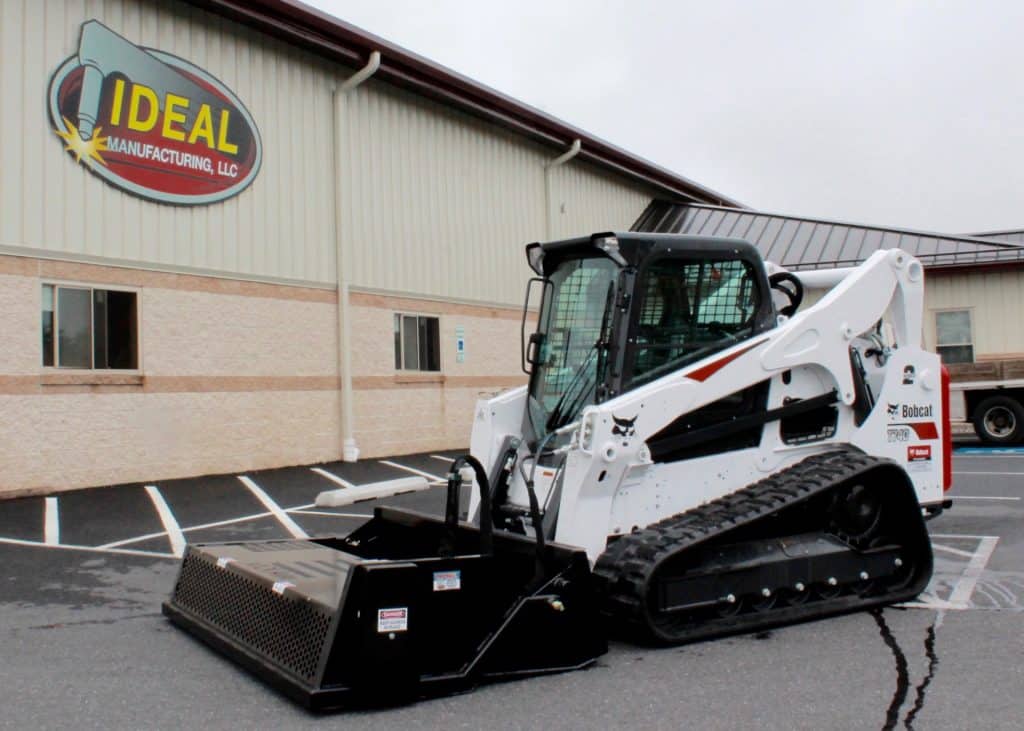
(626, 569)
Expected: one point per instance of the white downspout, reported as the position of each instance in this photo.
(573, 151)
(349, 449)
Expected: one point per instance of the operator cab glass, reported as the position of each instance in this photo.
(689, 309)
(574, 320)
(622, 310)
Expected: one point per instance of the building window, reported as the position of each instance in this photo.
(417, 343)
(953, 336)
(89, 328)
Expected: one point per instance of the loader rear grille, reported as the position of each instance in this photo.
(288, 632)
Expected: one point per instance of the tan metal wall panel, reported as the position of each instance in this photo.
(436, 202)
(441, 204)
(281, 226)
(996, 301)
(587, 200)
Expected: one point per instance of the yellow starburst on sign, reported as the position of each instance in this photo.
(90, 148)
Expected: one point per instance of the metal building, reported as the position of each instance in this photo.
(240, 234)
(1010, 237)
(186, 190)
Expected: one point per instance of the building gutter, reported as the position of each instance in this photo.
(549, 218)
(349, 448)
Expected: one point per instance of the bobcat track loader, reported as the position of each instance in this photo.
(694, 455)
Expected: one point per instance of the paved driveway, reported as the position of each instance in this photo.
(83, 644)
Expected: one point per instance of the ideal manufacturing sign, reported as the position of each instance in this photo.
(151, 123)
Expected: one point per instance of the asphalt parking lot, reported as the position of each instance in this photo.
(83, 643)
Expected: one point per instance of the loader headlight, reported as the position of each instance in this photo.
(535, 257)
(610, 246)
(587, 431)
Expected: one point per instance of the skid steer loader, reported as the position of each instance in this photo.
(694, 455)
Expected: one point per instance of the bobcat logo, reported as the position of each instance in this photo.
(624, 427)
(893, 409)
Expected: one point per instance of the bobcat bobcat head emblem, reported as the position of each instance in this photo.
(893, 409)
(624, 427)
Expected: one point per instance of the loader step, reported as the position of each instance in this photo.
(730, 565)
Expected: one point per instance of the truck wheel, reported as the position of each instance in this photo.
(999, 420)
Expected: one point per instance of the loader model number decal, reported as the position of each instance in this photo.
(898, 434)
(395, 619)
(150, 123)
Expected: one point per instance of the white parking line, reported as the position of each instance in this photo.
(441, 457)
(330, 514)
(993, 474)
(51, 523)
(928, 601)
(414, 471)
(965, 586)
(174, 534)
(97, 549)
(333, 478)
(204, 526)
(954, 551)
(282, 517)
(982, 497)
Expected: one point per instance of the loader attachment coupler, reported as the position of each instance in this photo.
(384, 615)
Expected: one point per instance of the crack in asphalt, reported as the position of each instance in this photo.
(922, 688)
(899, 696)
(892, 715)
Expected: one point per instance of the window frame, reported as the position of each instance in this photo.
(399, 345)
(76, 284)
(970, 325)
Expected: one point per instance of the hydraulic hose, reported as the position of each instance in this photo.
(538, 524)
(451, 517)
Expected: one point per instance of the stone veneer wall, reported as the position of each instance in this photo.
(234, 376)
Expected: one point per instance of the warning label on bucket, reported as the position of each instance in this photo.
(395, 619)
(447, 580)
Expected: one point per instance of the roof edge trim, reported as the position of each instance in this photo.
(301, 25)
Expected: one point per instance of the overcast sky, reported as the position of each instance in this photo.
(900, 113)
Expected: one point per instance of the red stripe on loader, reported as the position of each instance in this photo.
(705, 372)
(947, 434)
(926, 430)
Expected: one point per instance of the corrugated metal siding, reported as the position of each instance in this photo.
(439, 203)
(1010, 237)
(281, 227)
(436, 202)
(586, 200)
(995, 298)
(797, 242)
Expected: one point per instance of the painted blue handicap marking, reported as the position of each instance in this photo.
(988, 450)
